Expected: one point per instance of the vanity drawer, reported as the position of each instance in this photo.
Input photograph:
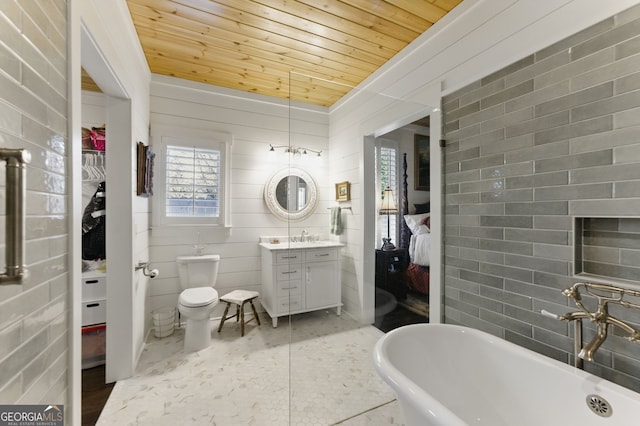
(291, 287)
(288, 256)
(289, 272)
(319, 255)
(289, 304)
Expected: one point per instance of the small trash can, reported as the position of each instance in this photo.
(163, 321)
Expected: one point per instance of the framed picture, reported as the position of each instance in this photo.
(144, 183)
(421, 162)
(343, 191)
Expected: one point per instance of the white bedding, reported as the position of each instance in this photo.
(419, 247)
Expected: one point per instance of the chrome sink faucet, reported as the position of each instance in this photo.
(605, 294)
(304, 236)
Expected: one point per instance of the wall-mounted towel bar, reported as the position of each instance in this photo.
(17, 160)
(343, 208)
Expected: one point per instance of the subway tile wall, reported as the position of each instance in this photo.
(33, 115)
(553, 136)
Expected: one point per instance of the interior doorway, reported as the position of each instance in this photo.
(119, 357)
(401, 255)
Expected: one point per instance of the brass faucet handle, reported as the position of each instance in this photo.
(569, 316)
(554, 316)
(572, 292)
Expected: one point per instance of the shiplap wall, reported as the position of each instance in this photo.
(446, 59)
(254, 122)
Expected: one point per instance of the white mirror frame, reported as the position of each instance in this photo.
(275, 207)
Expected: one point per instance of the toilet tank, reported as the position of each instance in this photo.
(198, 271)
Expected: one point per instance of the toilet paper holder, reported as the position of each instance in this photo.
(146, 270)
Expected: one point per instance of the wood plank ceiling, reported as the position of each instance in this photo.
(312, 51)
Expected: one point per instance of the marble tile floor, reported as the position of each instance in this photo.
(315, 369)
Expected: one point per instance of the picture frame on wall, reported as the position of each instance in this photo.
(421, 162)
(343, 191)
(144, 181)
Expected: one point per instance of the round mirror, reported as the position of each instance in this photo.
(291, 194)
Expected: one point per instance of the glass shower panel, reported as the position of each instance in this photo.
(321, 354)
(331, 374)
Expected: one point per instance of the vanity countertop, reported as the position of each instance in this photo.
(286, 245)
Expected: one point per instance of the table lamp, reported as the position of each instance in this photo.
(388, 207)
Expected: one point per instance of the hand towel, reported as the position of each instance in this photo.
(336, 221)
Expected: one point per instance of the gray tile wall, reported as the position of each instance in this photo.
(552, 136)
(33, 115)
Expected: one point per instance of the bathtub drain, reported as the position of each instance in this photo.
(599, 405)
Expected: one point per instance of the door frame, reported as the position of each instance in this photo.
(429, 104)
(120, 358)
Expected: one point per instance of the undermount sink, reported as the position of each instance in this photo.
(307, 244)
(284, 245)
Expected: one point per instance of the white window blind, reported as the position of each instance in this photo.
(193, 182)
(388, 170)
(388, 178)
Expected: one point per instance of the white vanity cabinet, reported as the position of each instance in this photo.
(296, 280)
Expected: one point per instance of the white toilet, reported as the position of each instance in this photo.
(198, 297)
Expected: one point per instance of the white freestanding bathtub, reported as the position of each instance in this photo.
(450, 375)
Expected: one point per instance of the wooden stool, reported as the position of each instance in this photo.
(239, 298)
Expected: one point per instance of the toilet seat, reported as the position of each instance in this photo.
(198, 296)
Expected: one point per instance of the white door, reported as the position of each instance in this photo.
(321, 285)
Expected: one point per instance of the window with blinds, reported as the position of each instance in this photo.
(388, 169)
(193, 179)
(192, 174)
(388, 178)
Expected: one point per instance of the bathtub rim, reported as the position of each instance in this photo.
(416, 396)
(401, 384)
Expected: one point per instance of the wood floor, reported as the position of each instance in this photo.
(94, 394)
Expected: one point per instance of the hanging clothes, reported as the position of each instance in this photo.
(93, 226)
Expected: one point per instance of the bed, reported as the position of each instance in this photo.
(415, 237)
